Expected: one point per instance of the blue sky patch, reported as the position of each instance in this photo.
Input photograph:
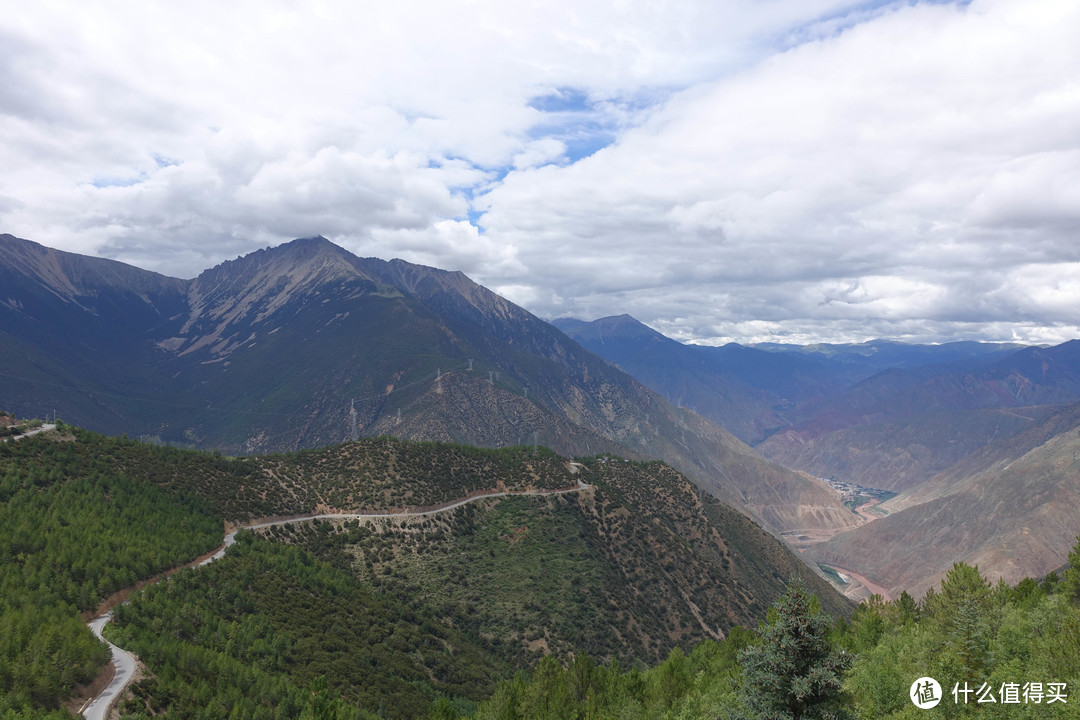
(164, 162)
(564, 99)
(587, 124)
(835, 23)
(572, 118)
(107, 182)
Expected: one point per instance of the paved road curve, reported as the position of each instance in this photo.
(124, 662)
(98, 708)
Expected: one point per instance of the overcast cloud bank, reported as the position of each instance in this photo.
(792, 171)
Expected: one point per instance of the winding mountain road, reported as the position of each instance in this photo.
(124, 662)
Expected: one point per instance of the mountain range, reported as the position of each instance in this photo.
(974, 439)
(305, 344)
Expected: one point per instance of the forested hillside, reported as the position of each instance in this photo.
(83, 515)
(996, 652)
(402, 614)
(1017, 648)
(250, 636)
(640, 563)
(77, 522)
(523, 607)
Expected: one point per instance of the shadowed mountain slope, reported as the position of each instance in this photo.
(879, 414)
(747, 391)
(898, 428)
(303, 344)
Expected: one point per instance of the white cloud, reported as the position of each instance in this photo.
(539, 152)
(901, 177)
(827, 169)
(234, 92)
(447, 244)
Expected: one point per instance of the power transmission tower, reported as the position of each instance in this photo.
(352, 421)
(438, 380)
(470, 364)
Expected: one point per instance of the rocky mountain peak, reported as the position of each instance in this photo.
(241, 295)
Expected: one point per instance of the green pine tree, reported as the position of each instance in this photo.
(1070, 584)
(794, 672)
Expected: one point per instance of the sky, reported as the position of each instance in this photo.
(724, 170)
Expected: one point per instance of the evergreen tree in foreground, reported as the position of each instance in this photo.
(793, 672)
